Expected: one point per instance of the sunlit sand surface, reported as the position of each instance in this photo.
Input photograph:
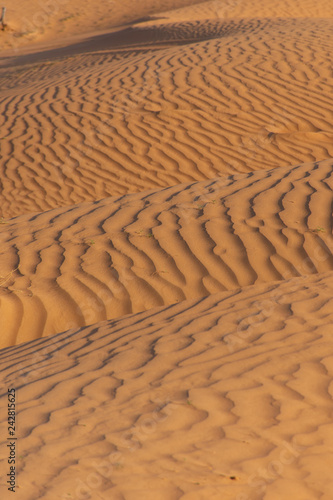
(166, 249)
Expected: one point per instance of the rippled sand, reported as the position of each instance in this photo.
(166, 249)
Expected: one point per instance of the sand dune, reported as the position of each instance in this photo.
(166, 264)
(33, 21)
(223, 397)
(240, 9)
(256, 95)
(94, 261)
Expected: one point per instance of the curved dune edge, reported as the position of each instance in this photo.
(231, 9)
(50, 21)
(32, 22)
(166, 249)
(228, 395)
(121, 114)
(101, 260)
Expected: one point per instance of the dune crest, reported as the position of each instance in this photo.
(166, 249)
(95, 261)
(229, 394)
(122, 114)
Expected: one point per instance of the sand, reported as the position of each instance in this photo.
(77, 126)
(166, 249)
(227, 395)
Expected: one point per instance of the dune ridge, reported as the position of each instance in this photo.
(97, 125)
(33, 21)
(241, 9)
(166, 264)
(207, 397)
(95, 261)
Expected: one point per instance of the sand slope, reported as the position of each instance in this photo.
(252, 94)
(166, 264)
(95, 261)
(223, 397)
(33, 21)
(230, 9)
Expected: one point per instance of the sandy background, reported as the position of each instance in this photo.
(166, 249)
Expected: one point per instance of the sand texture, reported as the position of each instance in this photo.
(89, 125)
(227, 396)
(166, 249)
(95, 261)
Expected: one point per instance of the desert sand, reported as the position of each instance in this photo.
(166, 249)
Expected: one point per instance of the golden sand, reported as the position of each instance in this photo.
(166, 249)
